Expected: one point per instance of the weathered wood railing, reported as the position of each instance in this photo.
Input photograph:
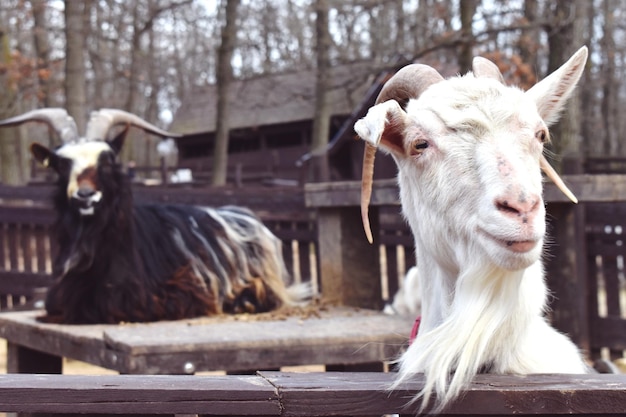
(324, 240)
(26, 249)
(26, 218)
(576, 283)
(305, 394)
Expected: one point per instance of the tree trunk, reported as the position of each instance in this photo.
(75, 102)
(564, 38)
(591, 145)
(11, 147)
(321, 118)
(224, 78)
(42, 50)
(529, 41)
(466, 55)
(610, 87)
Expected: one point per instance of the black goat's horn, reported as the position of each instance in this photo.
(101, 121)
(57, 118)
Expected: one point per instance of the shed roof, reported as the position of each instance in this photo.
(274, 99)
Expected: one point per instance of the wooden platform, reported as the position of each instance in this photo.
(306, 394)
(333, 336)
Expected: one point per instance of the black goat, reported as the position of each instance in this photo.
(119, 261)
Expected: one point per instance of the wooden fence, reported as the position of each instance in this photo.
(305, 394)
(26, 218)
(26, 249)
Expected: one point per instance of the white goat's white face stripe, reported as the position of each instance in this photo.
(83, 155)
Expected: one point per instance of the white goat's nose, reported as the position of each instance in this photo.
(522, 206)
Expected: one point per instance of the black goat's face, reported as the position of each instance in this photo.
(86, 164)
(80, 164)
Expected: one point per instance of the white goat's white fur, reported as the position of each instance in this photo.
(473, 199)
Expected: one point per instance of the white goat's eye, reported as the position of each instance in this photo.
(542, 136)
(419, 146)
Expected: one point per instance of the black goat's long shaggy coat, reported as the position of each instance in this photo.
(137, 263)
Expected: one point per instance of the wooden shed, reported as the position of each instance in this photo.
(271, 123)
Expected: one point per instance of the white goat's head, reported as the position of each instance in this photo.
(469, 153)
(83, 163)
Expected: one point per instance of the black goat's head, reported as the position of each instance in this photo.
(80, 160)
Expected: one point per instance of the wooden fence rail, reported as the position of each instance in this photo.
(585, 254)
(305, 394)
(324, 243)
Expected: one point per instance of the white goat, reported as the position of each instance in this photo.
(407, 301)
(469, 155)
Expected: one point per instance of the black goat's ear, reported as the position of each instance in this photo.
(118, 141)
(44, 155)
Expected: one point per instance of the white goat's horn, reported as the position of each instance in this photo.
(408, 83)
(484, 68)
(101, 121)
(556, 179)
(57, 118)
(366, 188)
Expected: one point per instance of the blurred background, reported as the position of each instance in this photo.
(261, 88)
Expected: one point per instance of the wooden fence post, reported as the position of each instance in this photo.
(566, 270)
(349, 265)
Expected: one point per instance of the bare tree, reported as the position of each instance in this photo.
(75, 94)
(42, 50)
(467, 11)
(321, 118)
(9, 164)
(610, 87)
(224, 78)
(564, 37)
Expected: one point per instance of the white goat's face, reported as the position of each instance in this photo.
(469, 153)
(469, 172)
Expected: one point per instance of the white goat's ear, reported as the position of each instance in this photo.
(383, 127)
(551, 93)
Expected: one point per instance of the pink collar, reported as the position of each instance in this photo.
(415, 329)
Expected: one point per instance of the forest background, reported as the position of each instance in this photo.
(147, 56)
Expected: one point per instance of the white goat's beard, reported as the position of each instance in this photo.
(475, 332)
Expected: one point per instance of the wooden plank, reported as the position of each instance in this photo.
(348, 193)
(608, 332)
(364, 394)
(41, 237)
(566, 272)
(26, 214)
(349, 265)
(23, 360)
(26, 233)
(83, 343)
(126, 394)
(342, 337)
(588, 188)
(332, 335)
(23, 283)
(306, 394)
(12, 246)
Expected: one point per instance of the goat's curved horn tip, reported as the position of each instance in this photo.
(366, 224)
(556, 179)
